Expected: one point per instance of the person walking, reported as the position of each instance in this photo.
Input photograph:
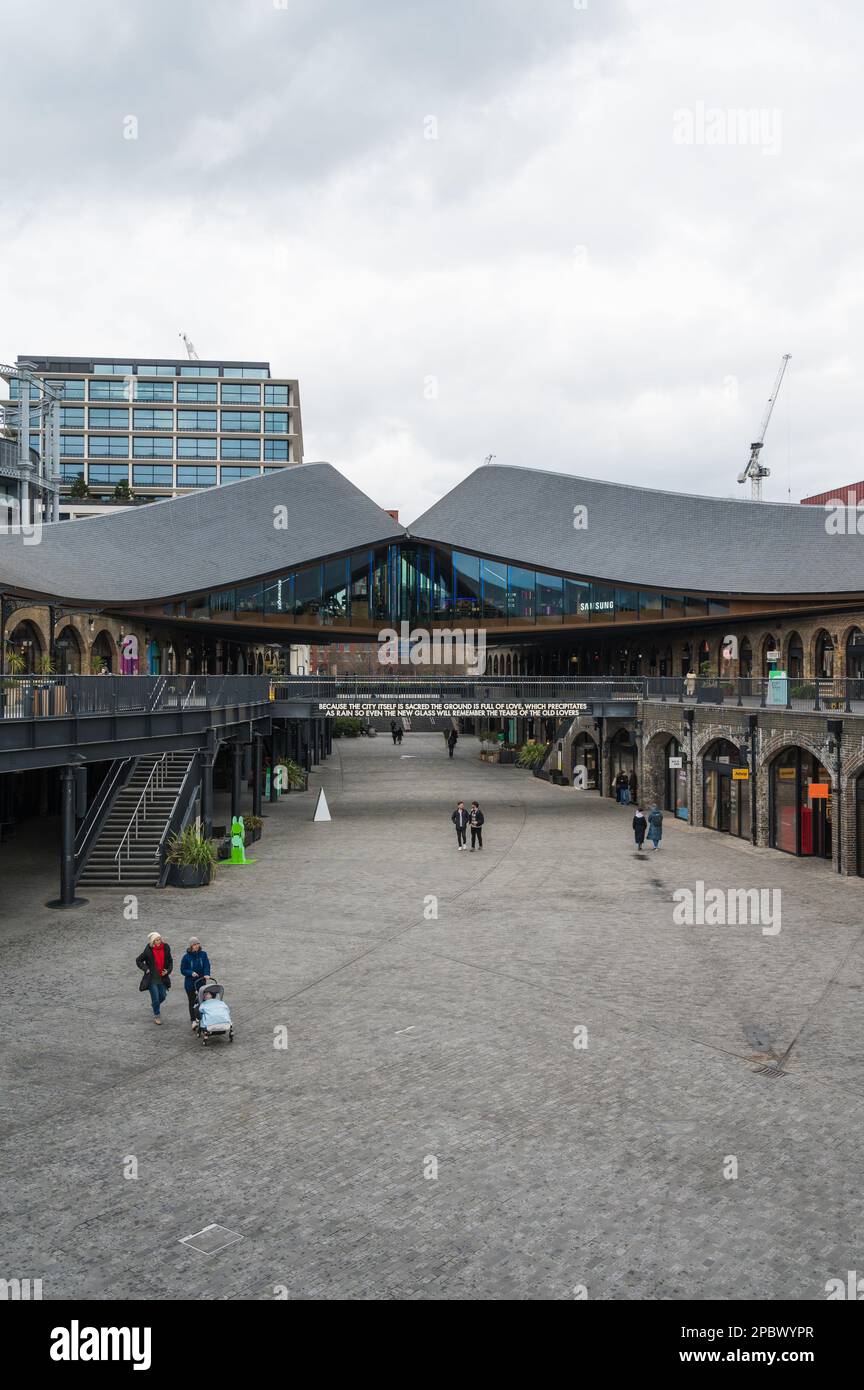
(476, 820)
(460, 819)
(194, 965)
(452, 740)
(625, 789)
(394, 730)
(655, 826)
(690, 684)
(156, 963)
(640, 827)
(399, 732)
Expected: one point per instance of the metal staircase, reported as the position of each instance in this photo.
(127, 850)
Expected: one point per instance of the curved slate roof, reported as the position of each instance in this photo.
(639, 536)
(211, 539)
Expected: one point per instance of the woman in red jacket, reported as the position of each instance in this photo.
(156, 963)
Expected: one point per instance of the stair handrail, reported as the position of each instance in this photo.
(94, 820)
(158, 772)
(180, 790)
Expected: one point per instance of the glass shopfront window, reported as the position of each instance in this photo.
(521, 594)
(626, 605)
(550, 598)
(677, 796)
(381, 585)
(800, 793)
(307, 592)
(726, 800)
(577, 597)
(650, 604)
(250, 598)
(466, 574)
(493, 579)
(278, 597)
(360, 570)
(334, 606)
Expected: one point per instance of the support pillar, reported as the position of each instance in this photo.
(236, 777)
(67, 843)
(207, 793)
(257, 773)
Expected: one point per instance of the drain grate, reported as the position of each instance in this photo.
(771, 1070)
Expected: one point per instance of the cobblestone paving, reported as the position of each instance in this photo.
(413, 1042)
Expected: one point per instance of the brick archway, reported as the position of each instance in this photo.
(653, 789)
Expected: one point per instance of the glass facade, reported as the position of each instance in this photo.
(276, 449)
(238, 421)
(108, 391)
(237, 393)
(204, 391)
(151, 447)
(196, 448)
(241, 449)
(154, 391)
(193, 475)
(154, 475)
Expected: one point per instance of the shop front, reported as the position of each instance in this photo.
(584, 755)
(800, 793)
(676, 799)
(726, 790)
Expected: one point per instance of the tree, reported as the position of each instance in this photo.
(79, 487)
(123, 492)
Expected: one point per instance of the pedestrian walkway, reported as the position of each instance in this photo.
(430, 1001)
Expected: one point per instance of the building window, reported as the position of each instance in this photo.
(70, 471)
(72, 417)
(241, 449)
(196, 419)
(72, 446)
(109, 446)
(108, 473)
(276, 422)
(800, 804)
(241, 420)
(233, 393)
(253, 373)
(189, 475)
(196, 448)
(154, 474)
(109, 419)
(197, 391)
(276, 449)
(15, 387)
(113, 369)
(153, 370)
(231, 475)
(154, 391)
(68, 390)
(147, 447)
(276, 395)
(109, 390)
(152, 419)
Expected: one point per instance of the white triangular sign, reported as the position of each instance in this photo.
(322, 810)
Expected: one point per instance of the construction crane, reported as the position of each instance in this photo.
(489, 459)
(190, 349)
(755, 470)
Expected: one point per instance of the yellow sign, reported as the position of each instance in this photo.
(740, 774)
(786, 774)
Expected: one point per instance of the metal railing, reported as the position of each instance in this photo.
(30, 697)
(155, 782)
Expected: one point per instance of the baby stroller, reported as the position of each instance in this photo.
(211, 1012)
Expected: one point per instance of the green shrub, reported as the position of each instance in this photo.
(532, 755)
(347, 726)
(191, 849)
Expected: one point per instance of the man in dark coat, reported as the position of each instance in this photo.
(460, 819)
(476, 819)
(452, 738)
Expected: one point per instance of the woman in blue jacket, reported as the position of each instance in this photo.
(194, 965)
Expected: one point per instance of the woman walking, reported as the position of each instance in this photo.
(655, 826)
(193, 966)
(640, 826)
(156, 963)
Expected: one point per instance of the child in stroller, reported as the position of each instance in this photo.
(211, 1012)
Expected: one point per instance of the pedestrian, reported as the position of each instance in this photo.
(477, 821)
(625, 789)
(452, 739)
(399, 732)
(690, 683)
(619, 786)
(156, 963)
(194, 965)
(640, 826)
(460, 819)
(655, 826)
(394, 729)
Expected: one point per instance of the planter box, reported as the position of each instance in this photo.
(253, 835)
(189, 876)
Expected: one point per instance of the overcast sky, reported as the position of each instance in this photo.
(468, 227)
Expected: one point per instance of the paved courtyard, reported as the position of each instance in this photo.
(418, 1045)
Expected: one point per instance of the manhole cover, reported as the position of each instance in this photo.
(211, 1239)
(771, 1070)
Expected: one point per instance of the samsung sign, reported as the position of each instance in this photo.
(598, 605)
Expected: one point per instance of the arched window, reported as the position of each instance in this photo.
(824, 656)
(25, 649)
(795, 656)
(769, 662)
(855, 654)
(745, 657)
(67, 652)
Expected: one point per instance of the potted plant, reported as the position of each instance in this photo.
(254, 825)
(297, 778)
(191, 858)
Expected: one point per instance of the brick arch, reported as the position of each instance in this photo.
(812, 646)
(780, 742)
